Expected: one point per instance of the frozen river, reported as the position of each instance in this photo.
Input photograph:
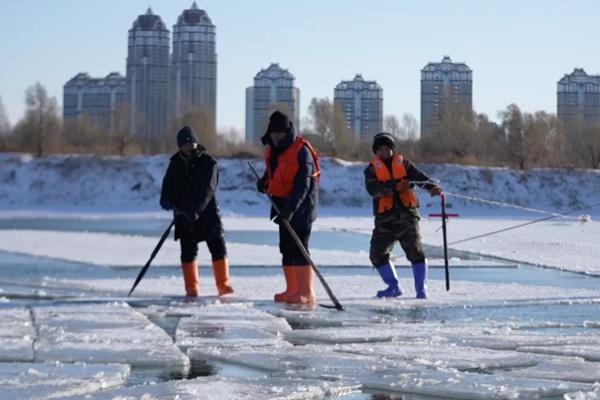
(506, 330)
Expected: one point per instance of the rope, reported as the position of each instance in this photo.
(507, 205)
(551, 215)
(535, 221)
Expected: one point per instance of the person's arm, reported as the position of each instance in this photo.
(166, 201)
(302, 181)
(415, 175)
(376, 188)
(208, 190)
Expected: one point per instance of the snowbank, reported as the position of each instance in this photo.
(87, 181)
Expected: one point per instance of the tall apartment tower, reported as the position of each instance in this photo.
(273, 90)
(578, 99)
(148, 75)
(362, 104)
(445, 87)
(194, 65)
(96, 99)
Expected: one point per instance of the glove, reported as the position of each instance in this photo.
(402, 186)
(166, 204)
(435, 191)
(261, 185)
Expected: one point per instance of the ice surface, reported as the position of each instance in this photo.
(590, 352)
(16, 335)
(39, 381)
(129, 250)
(104, 333)
(437, 355)
(562, 368)
(457, 385)
(595, 395)
(314, 362)
(224, 388)
(225, 326)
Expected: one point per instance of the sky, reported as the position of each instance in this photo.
(517, 50)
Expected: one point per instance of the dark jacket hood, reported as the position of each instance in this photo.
(283, 144)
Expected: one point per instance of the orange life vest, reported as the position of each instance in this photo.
(408, 198)
(281, 181)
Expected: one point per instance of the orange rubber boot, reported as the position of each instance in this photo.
(190, 278)
(305, 294)
(221, 273)
(290, 282)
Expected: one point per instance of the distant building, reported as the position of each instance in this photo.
(273, 89)
(362, 104)
(194, 64)
(94, 98)
(578, 99)
(158, 86)
(445, 87)
(148, 75)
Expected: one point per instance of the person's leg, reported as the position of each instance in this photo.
(382, 244)
(410, 240)
(218, 253)
(285, 240)
(305, 276)
(189, 266)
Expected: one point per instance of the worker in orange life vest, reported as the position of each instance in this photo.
(390, 179)
(291, 180)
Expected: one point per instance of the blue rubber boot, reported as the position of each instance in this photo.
(420, 275)
(388, 275)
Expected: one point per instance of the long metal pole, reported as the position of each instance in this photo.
(303, 250)
(154, 253)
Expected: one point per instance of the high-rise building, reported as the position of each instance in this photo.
(446, 87)
(94, 98)
(362, 104)
(148, 75)
(578, 99)
(273, 90)
(194, 65)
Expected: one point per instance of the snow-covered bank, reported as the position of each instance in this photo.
(133, 184)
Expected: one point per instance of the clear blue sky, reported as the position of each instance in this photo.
(517, 49)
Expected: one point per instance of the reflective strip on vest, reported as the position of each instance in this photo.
(408, 198)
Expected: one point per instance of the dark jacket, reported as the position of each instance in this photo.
(189, 187)
(305, 195)
(380, 189)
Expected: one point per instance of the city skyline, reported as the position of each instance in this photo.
(392, 52)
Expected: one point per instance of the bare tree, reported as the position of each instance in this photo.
(40, 128)
(514, 124)
(82, 135)
(391, 125)
(320, 118)
(122, 139)
(490, 141)
(327, 122)
(454, 139)
(586, 146)
(409, 128)
(4, 122)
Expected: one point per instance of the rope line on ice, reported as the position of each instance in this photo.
(535, 221)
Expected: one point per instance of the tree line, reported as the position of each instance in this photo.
(521, 140)
(43, 131)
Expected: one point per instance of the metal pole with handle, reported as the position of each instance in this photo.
(303, 250)
(154, 253)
